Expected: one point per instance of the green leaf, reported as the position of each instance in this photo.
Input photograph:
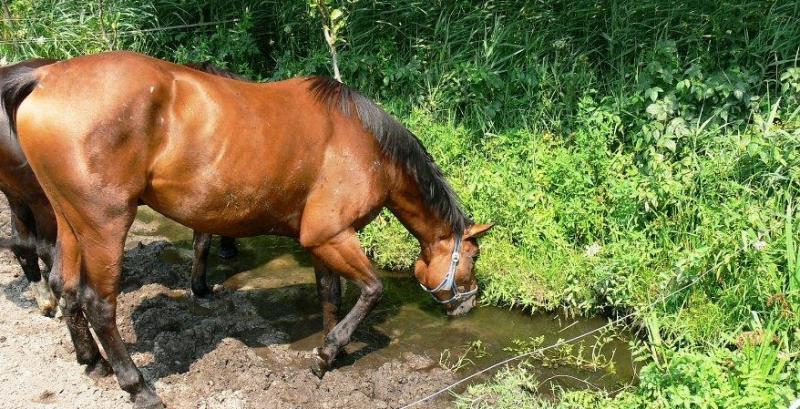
(653, 92)
(657, 111)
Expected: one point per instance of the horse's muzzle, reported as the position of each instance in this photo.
(463, 307)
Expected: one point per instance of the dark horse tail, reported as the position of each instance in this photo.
(399, 144)
(16, 244)
(16, 83)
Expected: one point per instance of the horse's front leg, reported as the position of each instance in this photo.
(201, 242)
(343, 254)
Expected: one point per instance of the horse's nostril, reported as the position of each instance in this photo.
(464, 307)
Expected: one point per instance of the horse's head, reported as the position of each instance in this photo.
(446, 270)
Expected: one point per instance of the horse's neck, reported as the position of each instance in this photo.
(405, 202)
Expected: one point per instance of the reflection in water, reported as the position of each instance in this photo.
(278, 276)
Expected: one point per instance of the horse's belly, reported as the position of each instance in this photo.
(231, 212)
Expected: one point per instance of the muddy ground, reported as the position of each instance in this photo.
(197, 353)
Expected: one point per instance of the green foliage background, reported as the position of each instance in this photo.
(624, 149)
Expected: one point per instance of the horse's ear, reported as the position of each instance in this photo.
(477, 230)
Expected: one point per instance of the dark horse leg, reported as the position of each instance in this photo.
(330, 294)
(342, 253)
(23, 226)
(201, 244)
(101, 246)
(66, 259)
(227, 247)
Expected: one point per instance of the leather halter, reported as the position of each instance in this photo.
(449, 282)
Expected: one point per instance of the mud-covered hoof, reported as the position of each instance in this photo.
(318, 365)
(48, 310)
(228, 252)
(202, 291)
(45, 299)
(100, 369)
(147, 399)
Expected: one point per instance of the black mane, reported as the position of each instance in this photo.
(399, 144)
(208, 67)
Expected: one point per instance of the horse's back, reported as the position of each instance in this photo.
(215, 154)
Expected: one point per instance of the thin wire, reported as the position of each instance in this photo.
(26, 19)
(42, 40)
(574, 378)
(146, 30)
(562, 342)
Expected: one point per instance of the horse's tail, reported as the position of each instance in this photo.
(18, 244)
(398, 143)
(16, 83)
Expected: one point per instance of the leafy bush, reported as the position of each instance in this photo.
(756, 377)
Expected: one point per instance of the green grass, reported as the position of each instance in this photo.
(623, 149)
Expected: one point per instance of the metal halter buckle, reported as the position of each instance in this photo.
(449, 281)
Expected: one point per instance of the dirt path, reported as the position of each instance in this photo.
(192, 351)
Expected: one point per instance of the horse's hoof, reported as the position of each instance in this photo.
(318, 365)
(202, 291)
(147, 399)
(228, 252)
(99, 369)
(45, 299)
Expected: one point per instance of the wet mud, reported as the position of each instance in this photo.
(250, 344)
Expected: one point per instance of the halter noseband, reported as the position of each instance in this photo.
(449, 281)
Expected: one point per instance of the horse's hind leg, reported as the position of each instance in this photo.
(64, 280)
(201, 242)
(23, 226)
(102, 245)
(343, 254)
(227, 247)
(330, 294)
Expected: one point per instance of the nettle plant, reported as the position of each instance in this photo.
(232, 47)
(790, 86)
(681, 99)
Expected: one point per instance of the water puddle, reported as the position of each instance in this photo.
(279, 279)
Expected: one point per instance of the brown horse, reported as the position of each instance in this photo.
(306, 158)
(33, 220)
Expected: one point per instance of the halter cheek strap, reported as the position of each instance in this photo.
(449, 282)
